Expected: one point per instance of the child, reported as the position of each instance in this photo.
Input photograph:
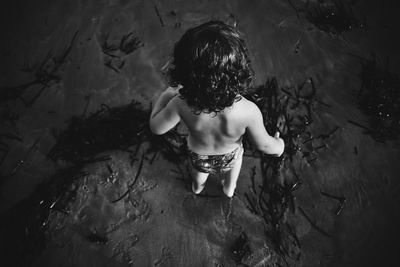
(211, 70)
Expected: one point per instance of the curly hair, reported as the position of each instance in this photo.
(210, 62)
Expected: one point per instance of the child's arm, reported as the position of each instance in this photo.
(259, 135)
(164, 115)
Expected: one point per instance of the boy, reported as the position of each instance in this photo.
(211, 70)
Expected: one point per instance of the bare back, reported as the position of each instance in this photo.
(214, 134)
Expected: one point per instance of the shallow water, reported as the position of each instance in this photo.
(163, 224)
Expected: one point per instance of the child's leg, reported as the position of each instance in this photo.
(229, 183)
(199, 181)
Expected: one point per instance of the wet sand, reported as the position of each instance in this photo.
(161, 223)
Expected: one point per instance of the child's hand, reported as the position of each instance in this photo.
(172, 91)
(281, 144)
(281, 124)
(165, 96)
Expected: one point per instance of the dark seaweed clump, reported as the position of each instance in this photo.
(290, 111)
(334, 17)
(117, 128)
(105, 129)
(379, 99)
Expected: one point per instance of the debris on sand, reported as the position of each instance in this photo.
(379, 99)
(288, 110)
(331, 16)
(46, 74)
(116, 50)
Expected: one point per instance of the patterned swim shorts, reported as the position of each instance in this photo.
(215, 163)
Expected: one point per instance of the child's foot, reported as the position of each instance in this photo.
(198, 190)
(228, 192)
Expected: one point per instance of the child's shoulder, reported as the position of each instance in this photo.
(246, 106)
